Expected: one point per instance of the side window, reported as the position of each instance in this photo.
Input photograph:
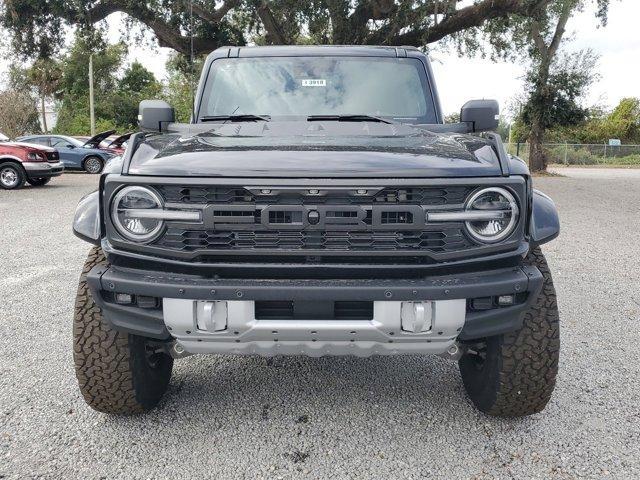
(59, 142)
(38, 140)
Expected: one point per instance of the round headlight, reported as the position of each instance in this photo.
(497, 214)
(127, 213)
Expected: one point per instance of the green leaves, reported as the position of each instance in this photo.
(118, 88)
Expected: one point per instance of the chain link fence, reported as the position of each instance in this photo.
(581, 154)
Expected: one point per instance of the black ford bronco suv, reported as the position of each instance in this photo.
(317, 204)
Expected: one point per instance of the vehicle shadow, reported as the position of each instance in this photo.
(212, 389)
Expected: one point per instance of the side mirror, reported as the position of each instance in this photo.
(153, 115)
(483, 115)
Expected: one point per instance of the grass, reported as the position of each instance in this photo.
(600, 165)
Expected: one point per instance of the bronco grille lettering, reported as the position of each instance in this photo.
(315, 217)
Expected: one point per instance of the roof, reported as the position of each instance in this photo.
(314, 50)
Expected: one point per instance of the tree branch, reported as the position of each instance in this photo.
(338, 14)
(167, 35)
(468, 17)
(538, 40)
(567, 7)
(275, 33)
(215, 16)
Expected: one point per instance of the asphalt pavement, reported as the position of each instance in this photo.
(340, 418)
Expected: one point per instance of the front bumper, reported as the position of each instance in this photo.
(245, 334)
(43, 169)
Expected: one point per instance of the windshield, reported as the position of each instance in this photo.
(393, 88)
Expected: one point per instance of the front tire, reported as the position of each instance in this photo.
(12, 176)
(514, 374)
(93, 164)
(38, 182)
(118, 373)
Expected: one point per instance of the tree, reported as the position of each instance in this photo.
(549, 89)
(73, 115)
(136, 84)
(553, 101)
(35, 25)
(623, 122)
(45, 75)
(18, 113)
(180, 84)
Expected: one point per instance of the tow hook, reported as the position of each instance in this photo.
(177, 351)
(454, 352)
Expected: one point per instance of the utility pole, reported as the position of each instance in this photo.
(91, 106)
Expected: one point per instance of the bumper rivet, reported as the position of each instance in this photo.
(517, 287)
(239, 294)
(388, 294)
(112, 286)
(447, 292)
(181, 291)
(213, 292)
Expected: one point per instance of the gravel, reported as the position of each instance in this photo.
(382, 417)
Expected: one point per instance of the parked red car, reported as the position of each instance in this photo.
(118, 145)
(25, 162)
(103, 142)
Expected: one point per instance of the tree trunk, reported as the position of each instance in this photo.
(541, 103)
(537, 157)
(44, 115)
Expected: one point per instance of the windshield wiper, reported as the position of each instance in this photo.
(347, 118)
(245, 117)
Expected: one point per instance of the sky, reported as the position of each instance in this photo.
(462, 79)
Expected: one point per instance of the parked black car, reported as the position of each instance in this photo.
(318, 205)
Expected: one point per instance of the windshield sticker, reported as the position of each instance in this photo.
(314, 82)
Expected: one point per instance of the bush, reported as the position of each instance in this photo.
(571, 156)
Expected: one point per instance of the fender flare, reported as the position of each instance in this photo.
(545, 221)
(86, 220)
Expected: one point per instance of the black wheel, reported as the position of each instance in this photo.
(117, 373)
(93, 164)
(11, 176)
(514, 374)
(38, 182)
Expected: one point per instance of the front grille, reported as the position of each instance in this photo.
(446, 239)
(445, 195)
(315, 222)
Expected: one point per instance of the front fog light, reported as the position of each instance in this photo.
(497, 213)
(130, 212)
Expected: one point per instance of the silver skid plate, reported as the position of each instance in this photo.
(230, 327)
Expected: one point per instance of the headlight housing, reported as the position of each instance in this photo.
(128, 214)
(35, 157)
(500, 211)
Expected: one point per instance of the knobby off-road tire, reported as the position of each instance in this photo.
(514, 374)
(117, 373)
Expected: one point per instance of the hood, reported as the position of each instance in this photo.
(29, 146)
(117, 143)
(314, 150)
(96, 140)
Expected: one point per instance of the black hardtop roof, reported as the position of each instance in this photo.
(314, 50)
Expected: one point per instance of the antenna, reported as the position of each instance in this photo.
(191, 60)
